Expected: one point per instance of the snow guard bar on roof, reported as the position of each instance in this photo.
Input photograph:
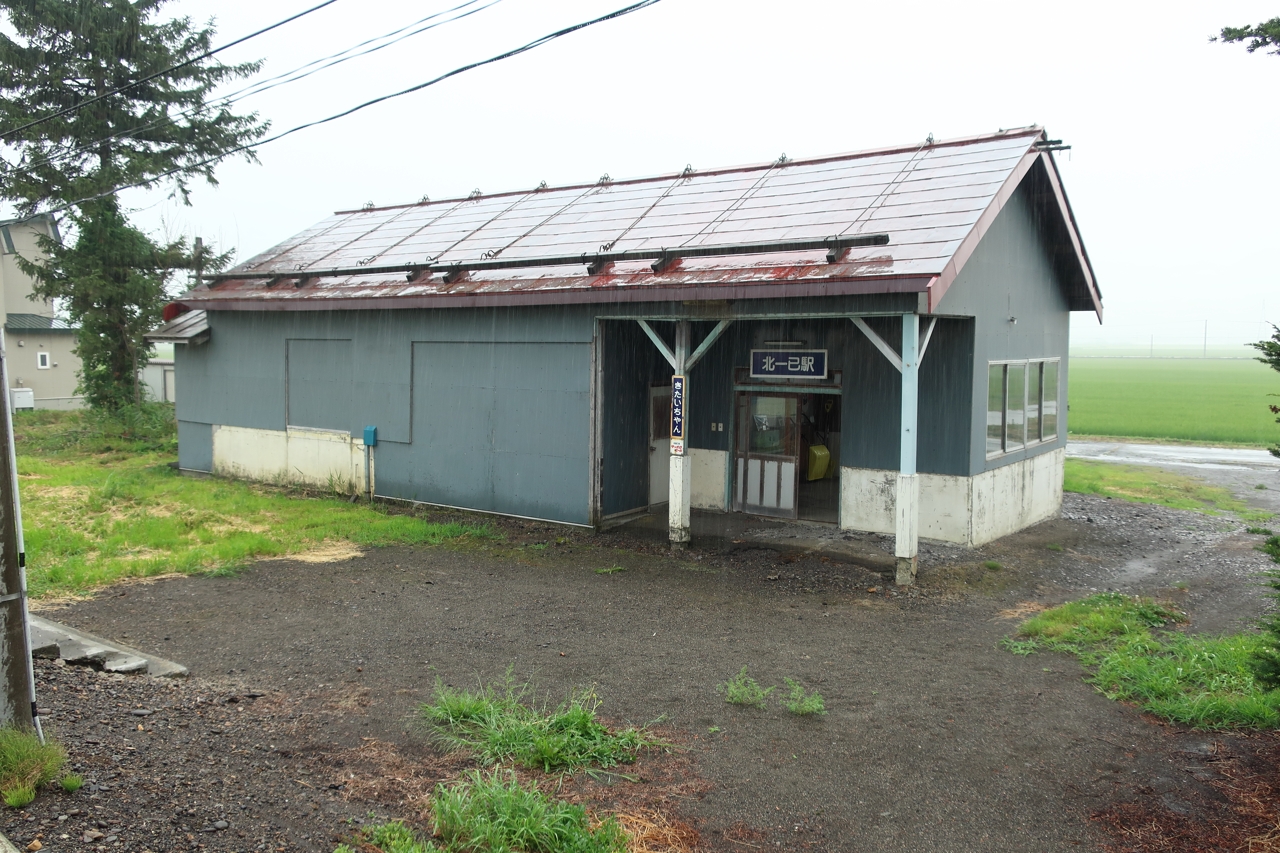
(595, 262)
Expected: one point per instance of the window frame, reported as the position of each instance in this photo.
(44, 360)
(1028, 442)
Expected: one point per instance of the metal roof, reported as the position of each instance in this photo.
(591, 242)
(189, 328)
(36, 323)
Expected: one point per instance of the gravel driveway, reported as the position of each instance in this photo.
(296, 720)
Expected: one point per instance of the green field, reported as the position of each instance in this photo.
(1214, 400)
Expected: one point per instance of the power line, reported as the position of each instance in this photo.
(269, 83)
(635, 7)
(169, 70)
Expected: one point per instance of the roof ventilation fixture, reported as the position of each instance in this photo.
(1051, 145)
(455, 275)
(303, 280)
(666, 262)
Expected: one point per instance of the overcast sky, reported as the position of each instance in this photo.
(1171, 173)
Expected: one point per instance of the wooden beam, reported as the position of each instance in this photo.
(880, 344)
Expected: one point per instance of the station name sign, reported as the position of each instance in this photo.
(677, 415)
(788, 364)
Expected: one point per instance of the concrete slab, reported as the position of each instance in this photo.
(719, 530)
(54, 640)
(6, 846)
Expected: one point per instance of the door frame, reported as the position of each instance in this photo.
(744, 384)
(650, 442)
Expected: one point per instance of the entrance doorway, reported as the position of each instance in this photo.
(659, 444)
(786, 455)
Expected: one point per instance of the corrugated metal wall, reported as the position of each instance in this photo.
(487, 409)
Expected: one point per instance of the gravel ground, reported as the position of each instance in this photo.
(296, 722)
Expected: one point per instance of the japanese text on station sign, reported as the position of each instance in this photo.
(788, 364)
(677, 406)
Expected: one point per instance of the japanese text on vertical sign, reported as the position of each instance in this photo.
(677, 406)
(794, 364)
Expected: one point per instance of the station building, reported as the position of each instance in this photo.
(875, 340)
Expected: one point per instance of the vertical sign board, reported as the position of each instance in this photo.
(788, 364)
(678, 391)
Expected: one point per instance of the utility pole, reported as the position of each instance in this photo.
(17, 704)
(197, 251)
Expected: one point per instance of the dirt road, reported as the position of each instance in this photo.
(936, 739)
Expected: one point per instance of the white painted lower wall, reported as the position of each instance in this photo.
(313, 457)
(709, 470)
(964, 510)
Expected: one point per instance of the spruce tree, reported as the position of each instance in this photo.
(162, 132)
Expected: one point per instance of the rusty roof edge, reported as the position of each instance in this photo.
(851, 286)
(1009, 133)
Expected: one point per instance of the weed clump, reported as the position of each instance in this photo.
(1204, 682)
(497, 726)
(72, 782)
(496, 812)
(742, 689)
(992, 566)
(26, 764)
(1259, 531)
(801, 703)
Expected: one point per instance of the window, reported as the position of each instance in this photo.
(42, 360)
(1022, 404)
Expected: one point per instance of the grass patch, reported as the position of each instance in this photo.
(742, 689)
(496, 813)
(1271, 548)
(71, 782)
(992, 566)
(1216, 400)
(26, 764)
(393, 837)
(610, 570)
(498, 726)
(1204, 682)
(801, 703)
(1258, 531)
(1150, 485)
(1054, 546)
(95, 512)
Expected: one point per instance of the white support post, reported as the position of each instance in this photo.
(679, 501)
(906, 531)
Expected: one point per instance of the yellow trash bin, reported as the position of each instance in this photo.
(819, 461)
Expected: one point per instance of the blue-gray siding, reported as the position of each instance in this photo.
(1011, 275)
(195, 446)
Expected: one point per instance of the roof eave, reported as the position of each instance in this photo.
(656, 292)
